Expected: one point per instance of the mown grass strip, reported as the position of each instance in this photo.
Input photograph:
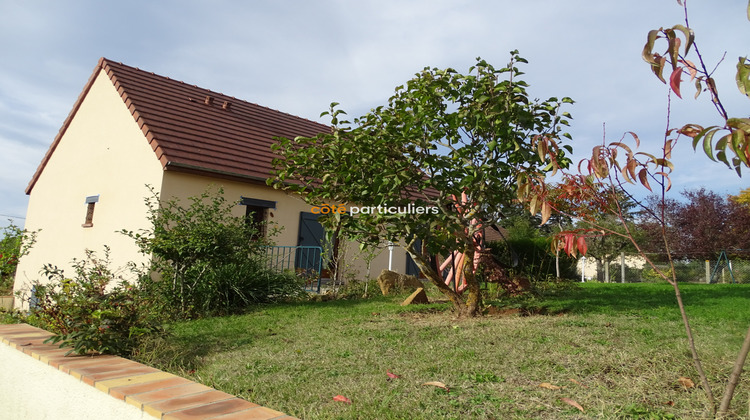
(617, 350)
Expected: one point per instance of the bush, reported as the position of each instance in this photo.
(223, 289)
(15, 243)
(208, 261)
(354, 289)
(532, 258)
(96, 311)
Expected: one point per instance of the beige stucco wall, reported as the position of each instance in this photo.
(102, 152)
(286, 216)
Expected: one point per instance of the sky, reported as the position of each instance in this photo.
(298, 56)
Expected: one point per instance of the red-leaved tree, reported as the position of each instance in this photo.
(594, 186)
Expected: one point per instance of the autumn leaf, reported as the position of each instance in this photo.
(569, 243)
(573, 403)
(743, 74)
(577, 383)
(690, 130)
(648, 55)
(546, 212)
(582, 248)
(391, 375)
(643, 177)
(438, 384)
(691, 68)
(674, 81)
(666, 177)
(686, 382)
(689, 37)
(548, 385)
(343, 399)
(635, 136)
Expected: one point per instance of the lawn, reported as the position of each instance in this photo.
(617, 350)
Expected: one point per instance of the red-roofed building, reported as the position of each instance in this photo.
(131, 128)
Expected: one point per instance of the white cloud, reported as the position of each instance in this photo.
(298, 56)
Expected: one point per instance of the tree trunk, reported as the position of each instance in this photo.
(473, 291)
(691, 344)
(468, 307)
(435, 278)
(734, 378)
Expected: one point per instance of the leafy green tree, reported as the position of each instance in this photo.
(441, 135)
(15, 243)
(742, 198)
(527, 249)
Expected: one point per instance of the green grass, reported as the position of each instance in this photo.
(623, 345)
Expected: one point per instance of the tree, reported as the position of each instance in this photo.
(733, 147)
(604, 247)
(14, 244)
(742, 198)
(702, 225)
(446, 143)
(526, 248)
(614, 165)
(658, 221)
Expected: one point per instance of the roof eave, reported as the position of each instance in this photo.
(214, 173)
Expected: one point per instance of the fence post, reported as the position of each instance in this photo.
(622, 267)
(606, 271)
(583, 269)
(708, 272)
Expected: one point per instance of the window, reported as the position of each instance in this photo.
(90, 203)
(256, 214)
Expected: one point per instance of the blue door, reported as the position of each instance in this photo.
(311, 233)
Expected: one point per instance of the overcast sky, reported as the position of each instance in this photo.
(298, 56)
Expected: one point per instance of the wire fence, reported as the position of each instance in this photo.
(631, 268)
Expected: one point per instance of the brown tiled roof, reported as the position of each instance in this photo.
(192, 129)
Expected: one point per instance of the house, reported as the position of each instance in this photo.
(130, 128)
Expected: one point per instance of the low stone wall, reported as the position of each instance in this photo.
(38, 381)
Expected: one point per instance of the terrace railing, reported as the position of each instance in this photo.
(305, 262)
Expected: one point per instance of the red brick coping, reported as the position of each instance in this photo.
(160, 394)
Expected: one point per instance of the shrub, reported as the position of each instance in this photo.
(96, 311)
(15, 243)
(208, 261)
(364, 289)
(532, 258)
(224, 289)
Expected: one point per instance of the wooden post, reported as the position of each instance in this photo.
(606, 271)
(708, 272)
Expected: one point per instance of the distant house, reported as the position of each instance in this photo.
(130, 128)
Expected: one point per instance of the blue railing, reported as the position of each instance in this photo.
(304, 261)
